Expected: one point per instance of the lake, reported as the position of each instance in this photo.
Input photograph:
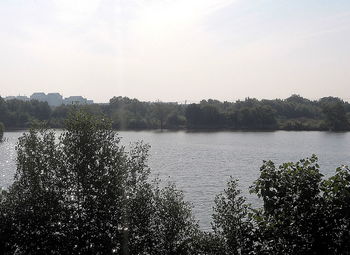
(200, 163)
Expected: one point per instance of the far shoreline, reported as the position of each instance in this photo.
(195, 130)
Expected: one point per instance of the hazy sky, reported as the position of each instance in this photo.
(175, 50)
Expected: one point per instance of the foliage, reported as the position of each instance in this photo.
(335, 116)
(175, 226)
(232, 224)
(19, 114)
(336, 192)
(292, 212)
(293, 113)
(302, 213)
(82, 192)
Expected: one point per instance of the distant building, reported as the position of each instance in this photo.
(75, 100)
(9, 98)
(53, 99)
(40, 96)
(22, 98)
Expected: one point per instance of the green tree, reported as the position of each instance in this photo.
(232, 223)
(161, 112)
(93, 180)
(176, 228)
(336, 116)
(175, 120)
(193, 115)
(84, 193)
(32, 207)
(292, 216)
(336, 192)
(301, 214)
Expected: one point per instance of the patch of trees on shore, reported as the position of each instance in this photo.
(293, 113)
(84, 193)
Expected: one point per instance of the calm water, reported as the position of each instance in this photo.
(201, 163)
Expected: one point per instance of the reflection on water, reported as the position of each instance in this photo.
(201, 163)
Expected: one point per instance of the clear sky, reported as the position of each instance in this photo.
(175, 50)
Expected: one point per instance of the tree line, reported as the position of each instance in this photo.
(293, 113)
(84, 193)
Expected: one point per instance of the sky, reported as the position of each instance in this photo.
(175, 50)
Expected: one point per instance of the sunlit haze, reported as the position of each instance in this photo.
(175, 50)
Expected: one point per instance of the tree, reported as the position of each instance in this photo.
(336, 192)
(161, 112)
(32, 207)
(211, 117)
(232, 223)
(335, 116)
(175, 227)
(292, 218)
(205, 115)
(301, 214)
(83, 192)
(159, 221)
(193, 115)
(175, 120)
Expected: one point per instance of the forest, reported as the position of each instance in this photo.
(293, 113)
(85, 193)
